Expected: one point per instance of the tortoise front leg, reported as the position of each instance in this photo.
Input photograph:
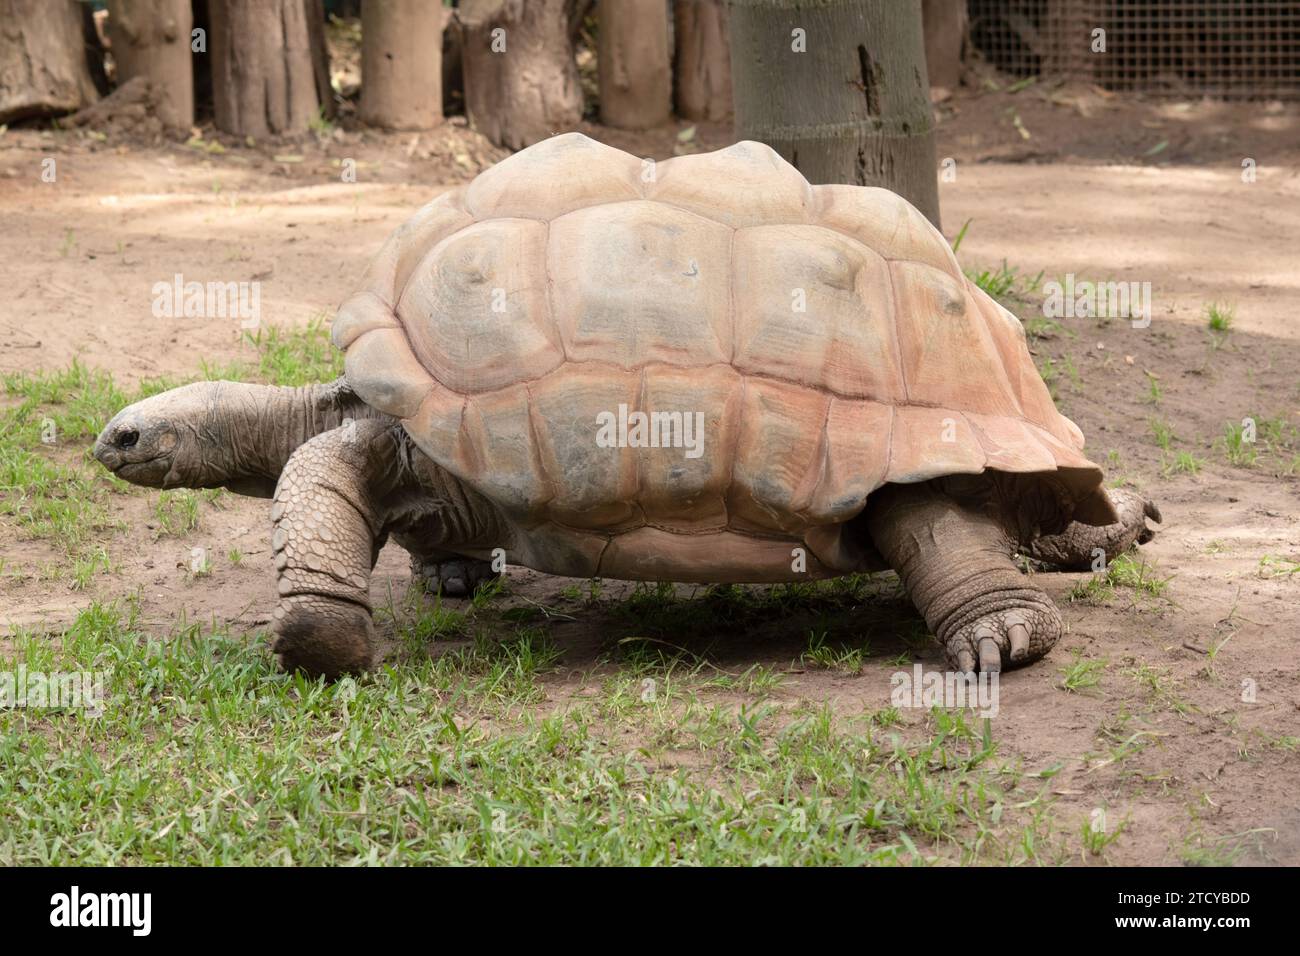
(329, 526)
(957, 567)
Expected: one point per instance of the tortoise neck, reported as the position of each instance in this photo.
(267, 423)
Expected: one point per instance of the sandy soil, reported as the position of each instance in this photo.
(1201, 766)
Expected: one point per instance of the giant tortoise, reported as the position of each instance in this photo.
(703, 369)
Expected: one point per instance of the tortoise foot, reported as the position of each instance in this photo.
(1005, 638)
(322, 636)
(452, 577)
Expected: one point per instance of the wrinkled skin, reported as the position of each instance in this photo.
(953, 543)
(221, 434)
(244, 438)
(345, 478)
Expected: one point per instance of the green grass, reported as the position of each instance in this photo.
(1072, 372)
(1004, 282)
(1131, 572)
(846, 660)
(1237, 447)
(1160, 687)
(1277, 434)
(1163, 432)
(1212, 853)
(1259, 440)
(1080, 675)
(1125, 572)
(1095, 838)
(294, 356)
(206, 754)
(1154, 393)
(52, 488)
(1184, 463)
(421, 624)
(1275, 567)
(46, 484)
(176, 512)
(87, 565)
(1039, 327)
(1219, 317)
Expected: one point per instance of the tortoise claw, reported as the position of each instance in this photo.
(990, 656)
(1018, 632)
(1004, 639)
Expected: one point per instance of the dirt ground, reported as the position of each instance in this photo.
(1171, 741)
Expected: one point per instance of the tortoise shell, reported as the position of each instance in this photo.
(823, 339)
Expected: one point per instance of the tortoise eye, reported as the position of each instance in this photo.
(128, 438)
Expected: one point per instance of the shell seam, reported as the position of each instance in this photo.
(898, 344)
(744, 374)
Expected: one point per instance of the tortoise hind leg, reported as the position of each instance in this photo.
(957, 566)
(1075, 548)
(445, 572)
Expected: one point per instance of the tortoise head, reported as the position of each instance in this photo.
(171, 440)
(234, 435)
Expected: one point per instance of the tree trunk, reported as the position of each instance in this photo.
(703, 60)
(151, 38)
(264, 72)
(633, 63)
(42, 59)
(945, 34)
(521, 81)
(401, 64)
(839, 90)
(320, 56)
(201, 63)
(453, 84)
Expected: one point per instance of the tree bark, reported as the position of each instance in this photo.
(401, 64)
(945, 34)
(854, 107)
(633, 63)
(42, 59)
(151, 39)
(320, 56)
(521, 81)
(265, 76)
(703, 61)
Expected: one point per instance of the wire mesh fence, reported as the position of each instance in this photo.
(1230, 49)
